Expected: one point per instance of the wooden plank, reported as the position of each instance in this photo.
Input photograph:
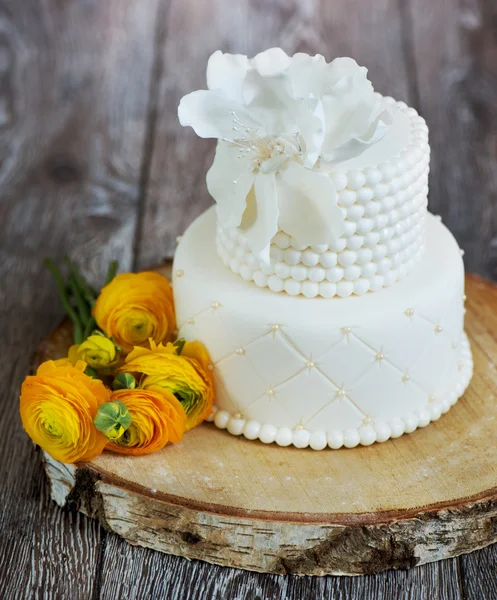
(176, 183)
(154, 575)
(73, 104)
(455, 52)
(478, 570)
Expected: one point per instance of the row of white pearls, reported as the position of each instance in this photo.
(365, 435)
(356, 278)
(292, 263)
(338, 281)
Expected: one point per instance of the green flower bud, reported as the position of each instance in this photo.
(124, 381)
(112, 419)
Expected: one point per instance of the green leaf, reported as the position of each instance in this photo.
(179, 345)
(111, 272)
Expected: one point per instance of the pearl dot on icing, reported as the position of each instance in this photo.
(282, 270)
(190, 321)
(345, 288)
(275, 284)
(397, 427)
(284, 436)
(383, 432)
(347, 198)
(235, 426)
(351, 438)
(406, 377)
(251, 429)
(341, 393)
(438, 329)
(267, 434)
(318, 440)
(328, 259)
(215, 305)
(260, 279)
(335, 439)
(367, 435)
(298, 272)
(355, 179)
(379, 356)
(309, 258)
(270, 392)
(409, 312)
(179, 273)
(240, 351)
(292, 287)
(310, 289)
(327, 289)
(221, 419)
(301, 438)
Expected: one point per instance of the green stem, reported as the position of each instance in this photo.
(90, 326)
(87, 291)
(81, 305)
(77, 328)
(111, 272)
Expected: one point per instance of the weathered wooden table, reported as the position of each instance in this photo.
(94, 163)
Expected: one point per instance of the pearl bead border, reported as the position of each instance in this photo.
(380, 431)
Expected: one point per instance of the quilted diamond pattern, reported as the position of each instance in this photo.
(278, 374)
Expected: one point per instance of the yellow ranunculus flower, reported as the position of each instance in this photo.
(157, 418)
(58, 406)
(186, 376)
(97, 351)
(134, 307)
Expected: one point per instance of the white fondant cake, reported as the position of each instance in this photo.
(319, 372)
(321, 187)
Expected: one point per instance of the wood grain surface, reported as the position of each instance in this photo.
(92, 162)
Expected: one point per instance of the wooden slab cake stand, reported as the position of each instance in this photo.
(423, 497)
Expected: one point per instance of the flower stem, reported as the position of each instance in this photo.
(87, 291)
(77, 328)
(81, 305)
(90, 326)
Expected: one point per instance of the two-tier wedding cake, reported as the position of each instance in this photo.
(330, 300)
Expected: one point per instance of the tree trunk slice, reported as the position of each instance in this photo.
(424, 497)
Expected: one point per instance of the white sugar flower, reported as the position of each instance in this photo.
(282, 123)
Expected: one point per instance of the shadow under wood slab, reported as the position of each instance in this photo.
(423, 497)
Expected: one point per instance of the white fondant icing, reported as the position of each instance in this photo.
(349, 371)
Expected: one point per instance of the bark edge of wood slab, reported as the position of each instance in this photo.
(426, 496)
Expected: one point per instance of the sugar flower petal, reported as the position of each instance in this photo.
(229, 181)
(261, 217)
(211, 112)
(308, 206)
(226, 72)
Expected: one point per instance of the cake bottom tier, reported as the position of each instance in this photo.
(326, 372)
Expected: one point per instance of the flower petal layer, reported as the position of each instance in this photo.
(308, 206)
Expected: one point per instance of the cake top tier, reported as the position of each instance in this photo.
(284, 125)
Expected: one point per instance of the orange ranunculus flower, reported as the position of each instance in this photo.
(186, 376)
(157, 418)
(58, 406)
(134, 307)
